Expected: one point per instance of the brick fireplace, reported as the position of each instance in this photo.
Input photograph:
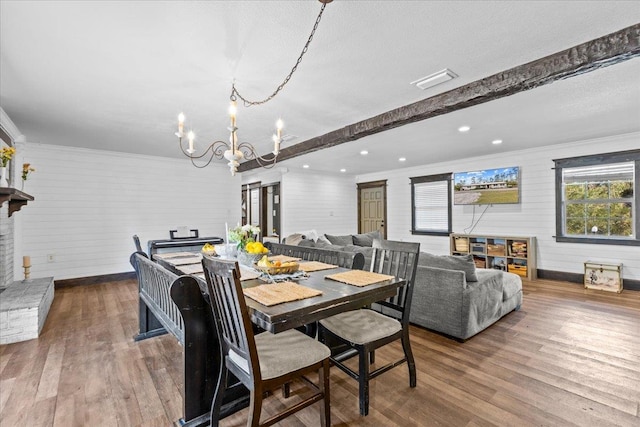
(24, 304)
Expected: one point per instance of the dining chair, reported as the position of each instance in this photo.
(365, 330)
(136, 241)
(262, 362)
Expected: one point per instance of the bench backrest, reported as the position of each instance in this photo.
(354, 260)
(154, 286)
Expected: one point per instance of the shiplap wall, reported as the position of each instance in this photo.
(534, 216)
(89, 203)
(326, 203)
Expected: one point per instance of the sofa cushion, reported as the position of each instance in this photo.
(340, 240)
(366, 239)
(450, 262)
(307, 243)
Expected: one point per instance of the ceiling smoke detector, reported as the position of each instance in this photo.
(435, 79)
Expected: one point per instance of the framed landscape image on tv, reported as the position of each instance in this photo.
(487, 187)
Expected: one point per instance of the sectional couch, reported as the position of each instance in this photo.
(450, 295)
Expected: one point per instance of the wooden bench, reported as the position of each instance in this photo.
(353, 260)
(178, 304)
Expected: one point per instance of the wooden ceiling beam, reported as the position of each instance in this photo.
(583, 58)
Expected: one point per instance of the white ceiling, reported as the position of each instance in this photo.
(114, 75)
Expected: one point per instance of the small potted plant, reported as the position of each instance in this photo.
(6, 154)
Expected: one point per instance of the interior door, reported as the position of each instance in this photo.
(372, 207)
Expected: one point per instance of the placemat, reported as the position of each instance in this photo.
(184, 261)
(359, 277)
(248, 274)
(283, 258)
(191, 268)
(310, 266)
(169, 255)
(279, 293)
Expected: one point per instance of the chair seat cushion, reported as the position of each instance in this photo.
(285, 352)
(361, 326)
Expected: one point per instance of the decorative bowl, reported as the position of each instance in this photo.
(284, 269)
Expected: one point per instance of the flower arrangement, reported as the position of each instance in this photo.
(243, 235)
(26, 170)
(6, 153)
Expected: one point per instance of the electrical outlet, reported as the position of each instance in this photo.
(51, 258)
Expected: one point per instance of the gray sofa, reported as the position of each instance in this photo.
(445, 300)
(450, 295)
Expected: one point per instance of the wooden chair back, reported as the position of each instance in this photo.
(136, 241)
(230, 310)
(398, 259)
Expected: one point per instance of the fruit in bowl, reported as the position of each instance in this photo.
(277, 267)
(256, 248)
(208, 250)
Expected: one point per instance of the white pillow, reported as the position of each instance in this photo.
(309, 234)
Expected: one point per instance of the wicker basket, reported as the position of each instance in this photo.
(285, 269)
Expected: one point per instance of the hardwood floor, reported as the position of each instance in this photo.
(569, 357)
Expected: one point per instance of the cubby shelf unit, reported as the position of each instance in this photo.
(514, 254)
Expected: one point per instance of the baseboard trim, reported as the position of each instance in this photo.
(94, 280)
(628, 284)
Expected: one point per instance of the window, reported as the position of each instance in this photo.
(596, 199)
(431, 205)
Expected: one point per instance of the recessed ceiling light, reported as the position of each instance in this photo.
(496, 141)
(464, 128)
(343, 170)
(305, 166)
(364, 152)
(402, 159)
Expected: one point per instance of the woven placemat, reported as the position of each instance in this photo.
(279, 293)
(191, 268)
(283, 258)
(169, 255)
(184, 261)
(359, 277)
(310, 266)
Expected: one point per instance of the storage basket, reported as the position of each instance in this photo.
(496, 250)
(520, 270)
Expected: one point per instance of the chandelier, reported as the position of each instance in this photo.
(233, 151)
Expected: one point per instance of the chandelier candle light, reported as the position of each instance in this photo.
(233, 151)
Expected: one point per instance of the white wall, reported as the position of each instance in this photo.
(312, 200)
(534, 216)
(89, 203)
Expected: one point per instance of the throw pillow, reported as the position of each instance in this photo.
(307, 243)
(366, 239)
(451, 262)
(309, 234)
(293, 239)
(340, 240)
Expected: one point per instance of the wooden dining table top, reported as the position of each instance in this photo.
(336, 297)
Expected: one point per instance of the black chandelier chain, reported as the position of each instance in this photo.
(234, 92)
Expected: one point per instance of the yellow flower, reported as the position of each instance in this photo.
(26, 169)
(6, 153)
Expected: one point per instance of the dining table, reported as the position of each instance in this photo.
(334, 297)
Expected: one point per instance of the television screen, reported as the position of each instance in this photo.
(486, 187)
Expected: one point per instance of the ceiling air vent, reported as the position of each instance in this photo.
(435, 79)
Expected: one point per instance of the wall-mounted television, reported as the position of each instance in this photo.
(487, 187)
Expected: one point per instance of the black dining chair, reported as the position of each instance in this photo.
(262, 362)
(136, 241)
(365, 330)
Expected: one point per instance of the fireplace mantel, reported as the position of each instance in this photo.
(16, 198)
